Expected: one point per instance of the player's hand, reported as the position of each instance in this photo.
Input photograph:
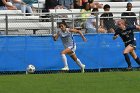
(53, 35)
(84, 39)
(114, 37)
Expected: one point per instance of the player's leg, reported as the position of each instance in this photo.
(64, 58)
(127, 50)
(136, 58)
(77, 60)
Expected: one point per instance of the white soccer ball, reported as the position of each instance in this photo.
(31, 68)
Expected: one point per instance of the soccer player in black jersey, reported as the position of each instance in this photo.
(127, 35)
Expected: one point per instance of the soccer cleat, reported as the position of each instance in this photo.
(83, 69)
(129, 68)
(65, 68)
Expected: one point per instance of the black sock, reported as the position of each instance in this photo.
(137, 60)
(127, 60)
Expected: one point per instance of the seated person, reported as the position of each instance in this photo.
(66, 3)
(29, 2)
(85, 13)
(76, 4)
(95, 4)
(25, 8)
(50, 4)
(4, 5)
(107, 23)
(91, 23)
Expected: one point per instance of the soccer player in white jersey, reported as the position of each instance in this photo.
(70, 46)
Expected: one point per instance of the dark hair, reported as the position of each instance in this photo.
(64, 23)
(84, 5)
(94, 10)
(90, 1)
(129, 3)
(106, 6)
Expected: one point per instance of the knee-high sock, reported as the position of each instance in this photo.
(79, 62)
(64, 58)
(127, 60)
(137, 60)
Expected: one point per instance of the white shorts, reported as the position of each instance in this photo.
(73, 48)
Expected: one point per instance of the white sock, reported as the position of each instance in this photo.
(79, 62)
(64, 58)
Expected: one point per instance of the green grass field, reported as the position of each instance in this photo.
(104, 82)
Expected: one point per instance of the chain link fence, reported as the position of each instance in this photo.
(47, 24)
(43, 24)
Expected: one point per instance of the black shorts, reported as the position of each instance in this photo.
(132, 44)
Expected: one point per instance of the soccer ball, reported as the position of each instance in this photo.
(30, 69)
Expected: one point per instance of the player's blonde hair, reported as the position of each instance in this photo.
(121, 21)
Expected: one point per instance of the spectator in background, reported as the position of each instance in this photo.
(6, 5)
(81, 2)
(91, 2)
(131, 20)
(50, 4)
(95, 4)
(107, 23)
(25, 8)
(85, 13)
(91, 23)
(77, 4)
(30, 3)
(62, 15)
(66, 3)
(60, 7)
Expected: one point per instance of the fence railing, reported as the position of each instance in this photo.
(47, 23)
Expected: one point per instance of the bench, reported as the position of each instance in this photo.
(16, 23)
(68, 14)
(10, 12)
(28, 26)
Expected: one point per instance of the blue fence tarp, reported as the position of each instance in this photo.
(100, 51)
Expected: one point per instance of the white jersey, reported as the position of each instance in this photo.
(67, 38)
(89, 22)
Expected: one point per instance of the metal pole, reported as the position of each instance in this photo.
(38, 6)
(72, 21)
(6, 22)
(52, 20)
(97, 19)
(139, 18)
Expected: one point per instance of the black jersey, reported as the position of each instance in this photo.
(108, 22)
(131, 20)
(127, 35)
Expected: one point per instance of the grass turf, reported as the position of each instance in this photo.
(105, 82)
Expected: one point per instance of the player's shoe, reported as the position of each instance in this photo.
(129, 68)
(83, 69)
(65, 68)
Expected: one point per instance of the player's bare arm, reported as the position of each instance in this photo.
(78, 31)
(137, 27)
